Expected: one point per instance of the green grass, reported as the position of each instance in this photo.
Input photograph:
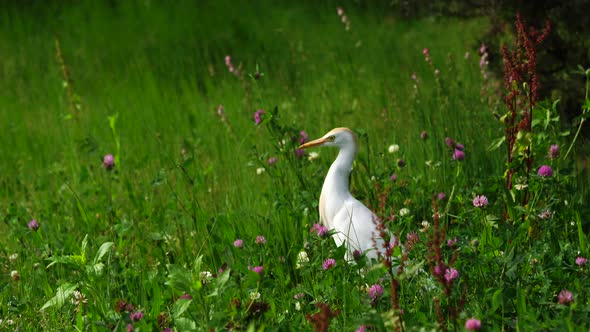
(160, 70)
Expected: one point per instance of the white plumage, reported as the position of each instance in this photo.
(355, 224)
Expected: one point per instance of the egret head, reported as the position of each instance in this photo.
(338, 137)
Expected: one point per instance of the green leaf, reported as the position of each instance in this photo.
(179, 278)
(496, 143)
(220, 283)
(410, 271)
(61, 295)
(104, 248)
(83, 248)
(185, 324)
(95, 269)
(75, 260)
(497, 299)
(180, 307)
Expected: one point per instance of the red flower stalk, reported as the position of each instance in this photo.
(321, 320)
(443, 272)
(521, 84)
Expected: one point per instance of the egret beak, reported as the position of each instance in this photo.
(315, 142)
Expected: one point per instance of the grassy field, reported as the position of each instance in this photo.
(149, 244)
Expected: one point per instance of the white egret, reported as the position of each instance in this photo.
(354, 223)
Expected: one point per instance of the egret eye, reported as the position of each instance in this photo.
(331, 138)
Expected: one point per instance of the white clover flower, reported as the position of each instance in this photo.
(205, 276)
(13, 257)
(260, 170)
(298, 306)
(302, 258)
(254, 295)
(425, 226)
(15, 275)
(393, 148)
(313, 156)
(78, 297)
(404, 212)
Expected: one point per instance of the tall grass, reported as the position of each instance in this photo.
(185, 184)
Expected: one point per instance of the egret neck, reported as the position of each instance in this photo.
(335, 191)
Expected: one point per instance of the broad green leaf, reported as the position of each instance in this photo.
(220, 283)
(61, 296)
(497, 299)
(179, 278)
(75, 260)
(180, 307)
(185, 324)
(104, 248)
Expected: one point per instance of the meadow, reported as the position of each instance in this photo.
(151, 178)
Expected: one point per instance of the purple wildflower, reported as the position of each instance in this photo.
(473, 324)
(108, 162)
(361, 328)
(393, 177)
(320, 230)
(480, 201)
(424, 135)
(375, 291)
(33, 225)
(299, 153)
(483, 49)
(425, 51)
(299, 296)
(230, 66)
(129, 327)
(441, 196)
(438, 270)
(136, 316)
(565, 297)
(258, 116)
(239, 243)
(545, 171)
(458, 155)
(553, 151)
(260, 239)
(459, 146)
(272, 160)
(452, 242)
(356, 254)
(303, 137)
(449, 142)
(401, 163)
(451, 274)
(328, 264)
(258, 269)
(186, 296)
(581, 261)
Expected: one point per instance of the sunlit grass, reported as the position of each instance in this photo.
(185, 185)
